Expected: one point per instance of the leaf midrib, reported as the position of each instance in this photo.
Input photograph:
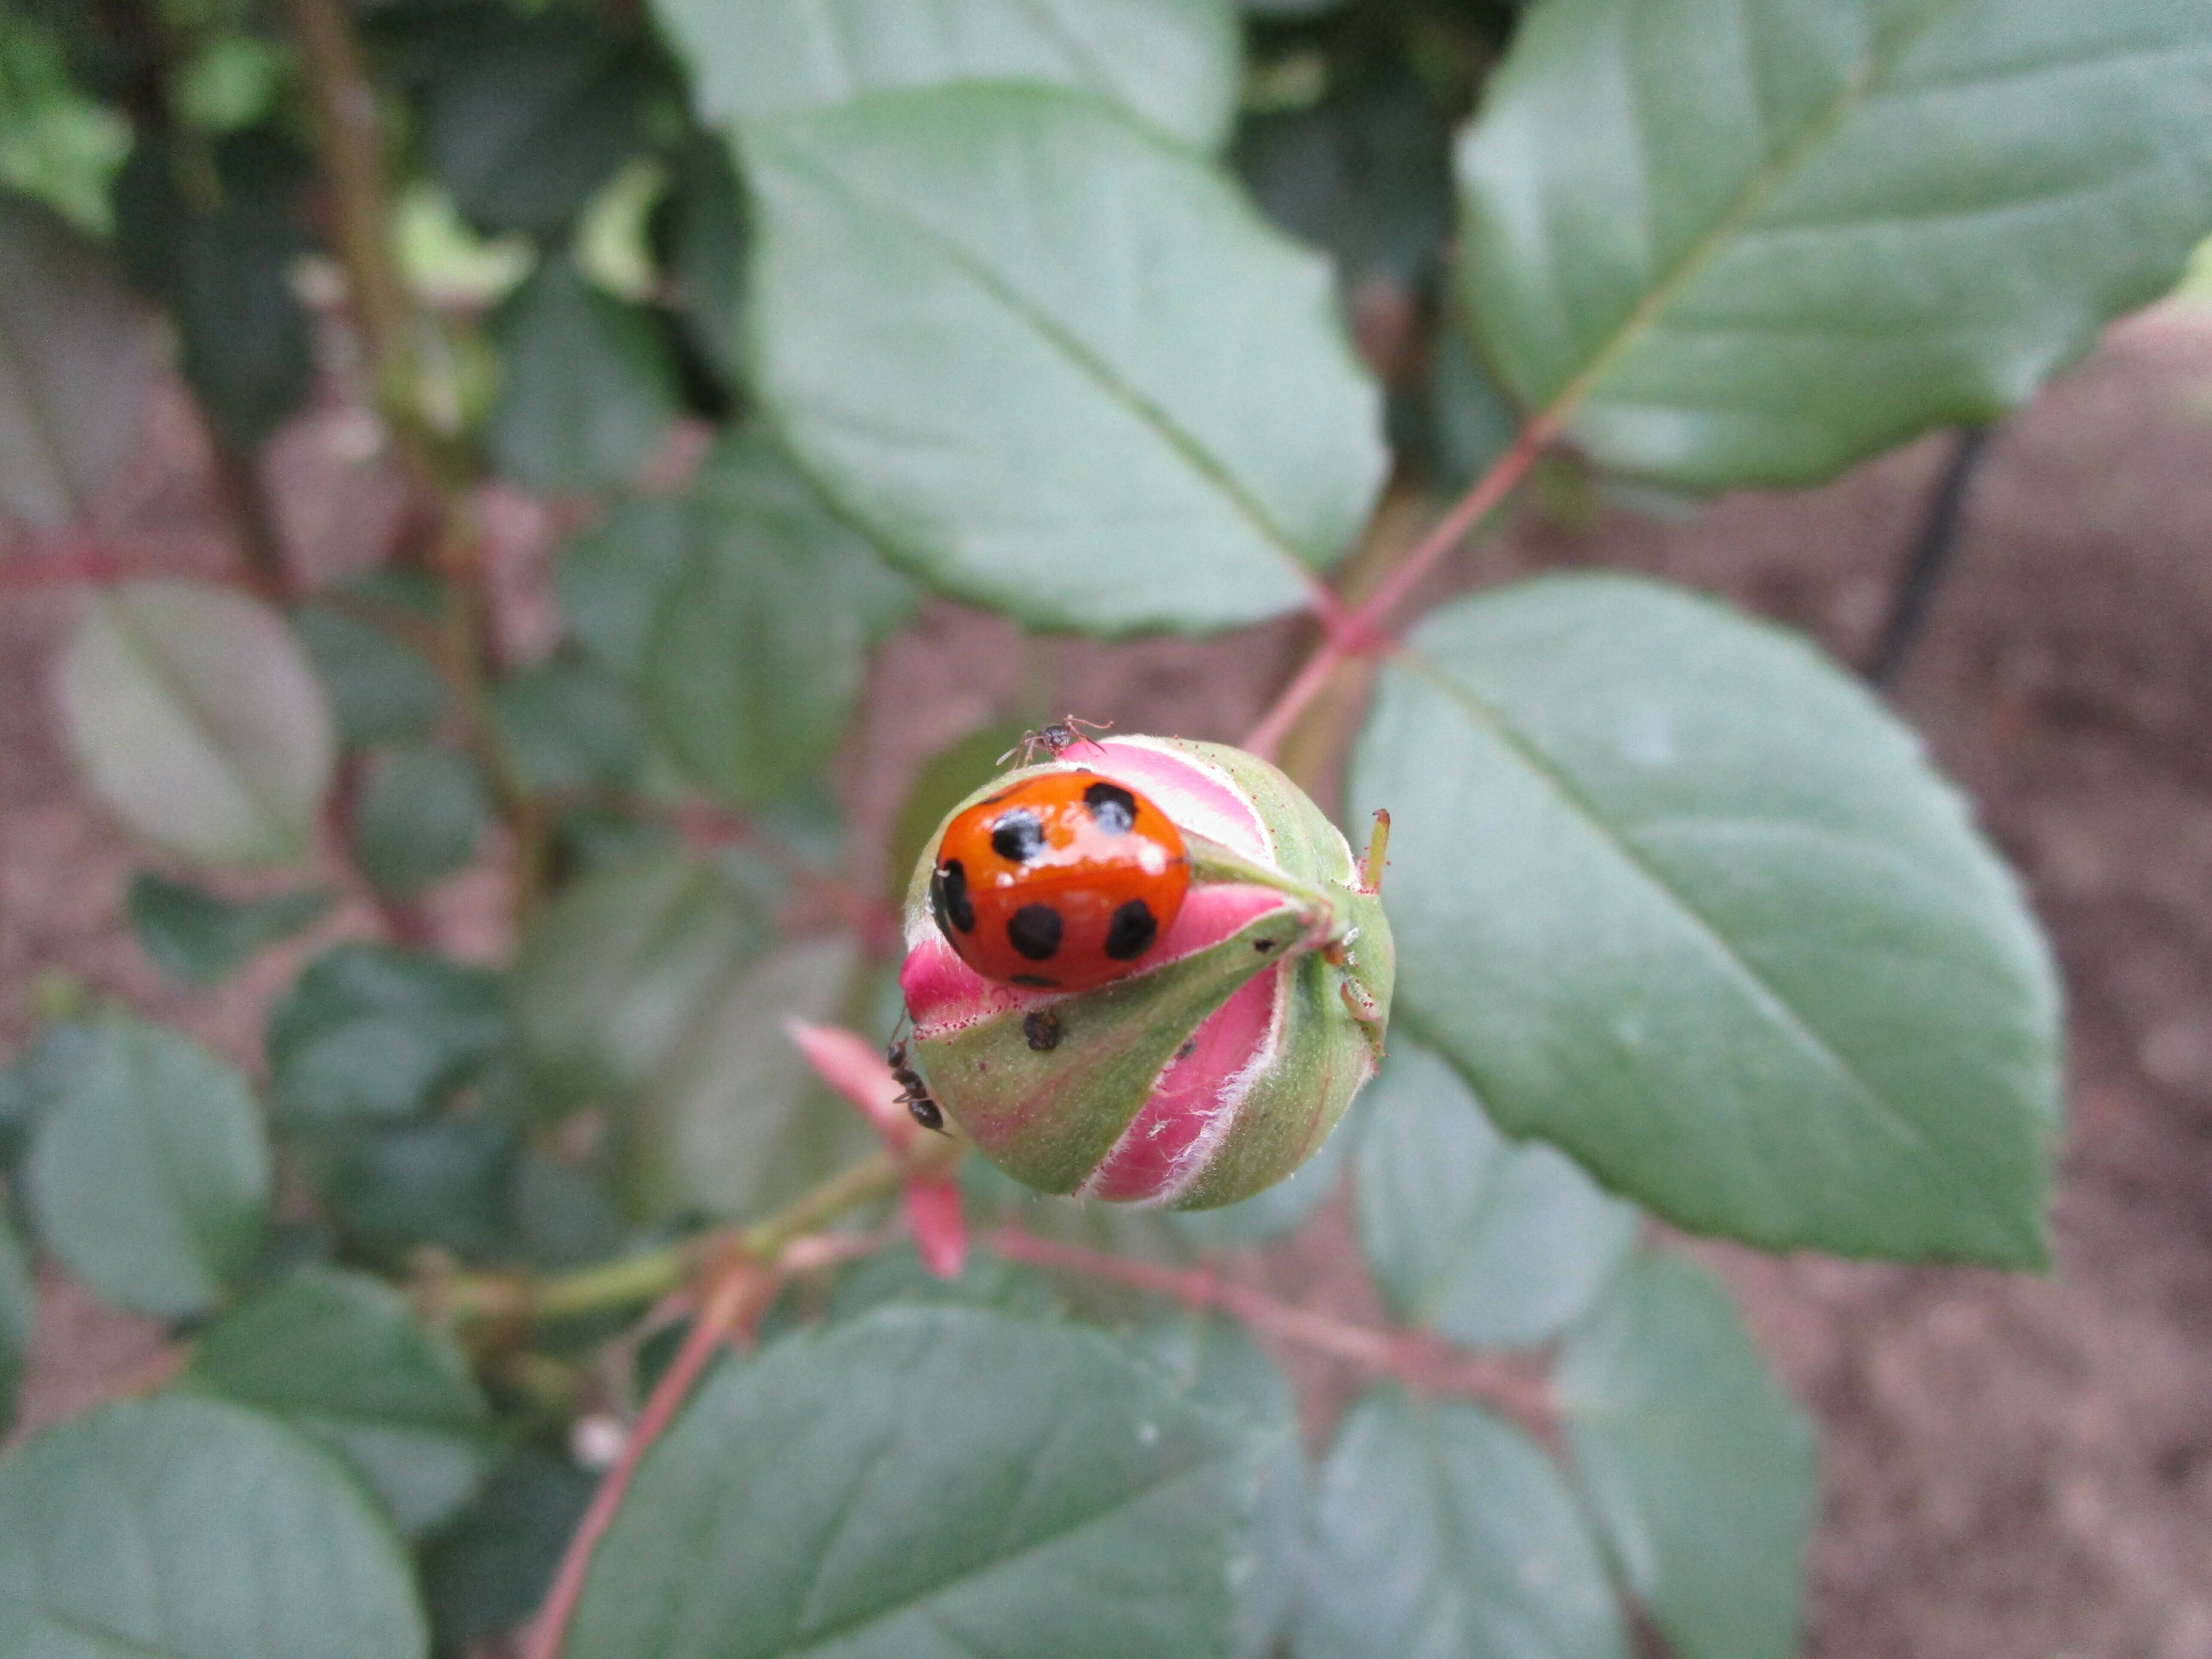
(1762, 186)
(1210, 470)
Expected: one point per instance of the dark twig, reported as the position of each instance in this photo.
(1930, 558)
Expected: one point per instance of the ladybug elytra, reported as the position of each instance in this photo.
(1061, 882)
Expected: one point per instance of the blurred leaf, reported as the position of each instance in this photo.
(37, 1078)
(1171, 62)
(420, 816)
(1701, 1470)
(733, 1122)
(200, 937)
(218, 255)
(756, 663)
(1076, 1502)
(1490, 1243)
(525, 118)
(77, 353)
(490, 1570)
(944, 780)
(569, 727)
(615, 973)
(614, 578)
(951, 332)
(564, 1217)
(178, 1526)
(342, 1357)
(195, 716)
(380, 690)
(370, 1032)
(56, 145)
(1441, 1530)
(149, 1177)
(449, 1183)
(1472, 422)
(230, 81)
(1726, 939)
(589, 391)
(703, 222)
(1221, 1368)
(19, 1317)
(991, 1282)
(1752, 244)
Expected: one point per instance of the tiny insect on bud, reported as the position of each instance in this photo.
(1189, 1061)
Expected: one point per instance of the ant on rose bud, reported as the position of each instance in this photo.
(1055, 739)
(917, 1100)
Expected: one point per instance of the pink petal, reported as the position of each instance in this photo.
(940, 1230)
(856, 1069)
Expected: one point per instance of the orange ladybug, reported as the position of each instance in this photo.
(1062, 882)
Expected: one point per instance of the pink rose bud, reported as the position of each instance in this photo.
(1241, 1015)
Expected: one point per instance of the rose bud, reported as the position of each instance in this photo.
(1148, 971)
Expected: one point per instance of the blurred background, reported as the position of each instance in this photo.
(2014, 1465)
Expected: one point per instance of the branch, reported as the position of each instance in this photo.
(1361, 633)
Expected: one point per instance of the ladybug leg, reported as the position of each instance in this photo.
(1378, 843)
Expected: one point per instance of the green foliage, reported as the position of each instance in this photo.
(201, 937)
(149, 1175)
(421, 813)
(1724, 936)
(241, 1539)
(380, 690)
(18, 1314)
(1441, 1530)
(1700, 1468)
(1487, 1242)
(488, 1571)
(944, 333)
(1751, 247)
(76, 355)
(341, 1358)
(196, 717)
(370, 1033)
(1067, 1487)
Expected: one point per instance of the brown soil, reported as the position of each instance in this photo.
(2014, 1465)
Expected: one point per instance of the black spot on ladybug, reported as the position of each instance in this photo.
(1112, 807)
(1263, 946)
(948, 898)
(1034, 930)
(1041, 1029)
(1017, 837)
(1131, 930)
(1035, 983)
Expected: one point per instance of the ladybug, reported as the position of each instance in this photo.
(1059, 882)
(1057, 739)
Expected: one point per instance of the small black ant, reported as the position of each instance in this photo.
(917, 1099)
(1055, 739)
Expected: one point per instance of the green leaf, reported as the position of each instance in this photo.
(149, 1177)
(367, 1031)
(19, 1317)
(589, 391)
(1221, 1368)
(380, 690)
(195, 717)
(77, 355)
(614, 578)
(200, 937)
(1439, 1531)
(420, 816)
(703, 222)
(1056, 365)
(37, 1078)
(182, 1529)
(613, 975)
(525, 118)
(1753, 243)
(733, 1122)
(490, 1570)
(342, 1357)
(569, 727)
(983, 1281)
(452, 1183)
(927, 1482)
(1671, 891)
(1466, 1234)
(1171, 62)
(755, 662)
(215, 242)
(1700, 1468)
